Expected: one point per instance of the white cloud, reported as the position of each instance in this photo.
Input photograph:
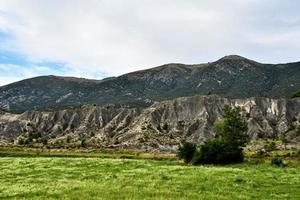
(6, 80)
(11, 73)
(115, 36)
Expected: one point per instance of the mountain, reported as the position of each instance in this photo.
(230, 76)
(161, 126)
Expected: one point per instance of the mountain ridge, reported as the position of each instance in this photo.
(228, 57)
(231, 76)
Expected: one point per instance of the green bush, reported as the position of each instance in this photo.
(83, 143)
(218, 151)
(166, 126)
(69, 138)
(186, 151)
(278, 162)
(270, 146)
(44, 140)
(21, 141)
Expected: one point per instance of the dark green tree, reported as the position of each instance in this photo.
(233, 127)
(231, 137)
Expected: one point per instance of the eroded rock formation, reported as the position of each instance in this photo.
(161, 126)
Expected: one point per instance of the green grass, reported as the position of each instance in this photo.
(83, 177)
(85, 153)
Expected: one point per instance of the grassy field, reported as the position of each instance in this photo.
(115, 176)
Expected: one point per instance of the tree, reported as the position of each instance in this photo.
(186, 151)
(235, 126)
(231, 137)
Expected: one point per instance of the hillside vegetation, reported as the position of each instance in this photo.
(296, 94)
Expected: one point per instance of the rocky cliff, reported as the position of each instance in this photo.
(161, 126)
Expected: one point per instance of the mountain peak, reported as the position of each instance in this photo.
(233, 57)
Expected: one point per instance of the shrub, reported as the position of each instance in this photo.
(196, 158)
(159, 128)
(260, 135)
(218, 151)
(68, 139)
(209, 93)
(34, 135)
(92, 134)
(186, 151)
(278, 162)
(116, 141)
(166, 126)
(270, 146)
(44, 140)
(83, 142)
(21, 141)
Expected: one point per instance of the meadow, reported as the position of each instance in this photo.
(139, 176)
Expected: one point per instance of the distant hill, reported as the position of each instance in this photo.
(230, 76)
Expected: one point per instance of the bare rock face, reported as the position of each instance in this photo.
(159, 127)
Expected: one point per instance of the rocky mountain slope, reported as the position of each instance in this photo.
(161, 126)
(231, 76)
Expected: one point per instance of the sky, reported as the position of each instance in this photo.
(102, 38)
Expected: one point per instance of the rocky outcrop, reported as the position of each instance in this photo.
(161, 126)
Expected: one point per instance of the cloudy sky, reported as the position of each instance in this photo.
(100, 38)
